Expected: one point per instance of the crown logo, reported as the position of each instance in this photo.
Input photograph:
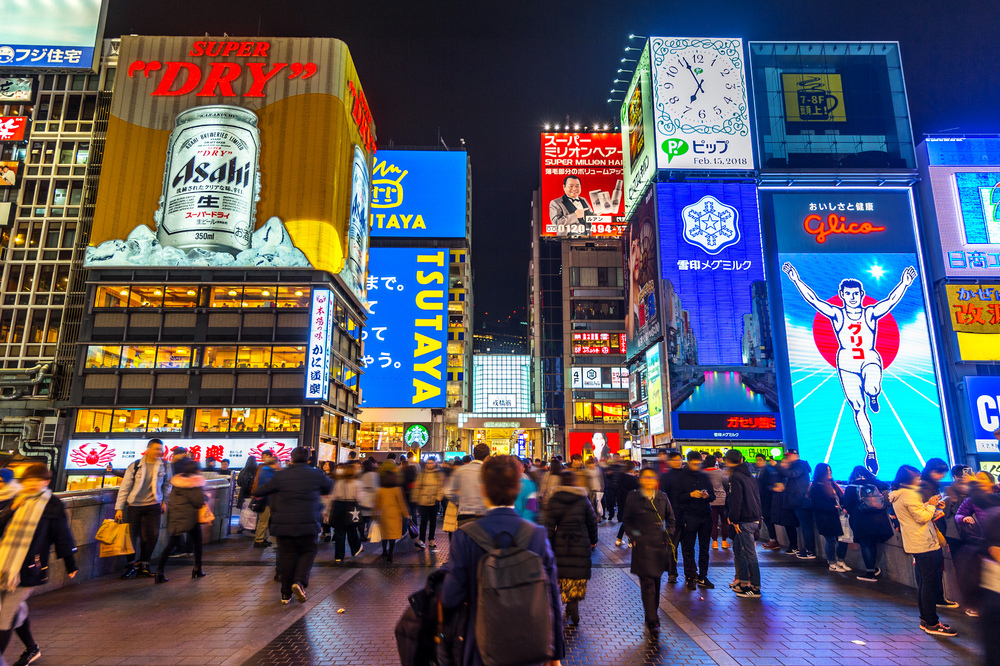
(386, 192)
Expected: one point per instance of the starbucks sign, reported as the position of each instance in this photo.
(416, 435)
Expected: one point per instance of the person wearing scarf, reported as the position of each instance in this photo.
(31, 524)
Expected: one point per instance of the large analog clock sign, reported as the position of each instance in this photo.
(702, 118)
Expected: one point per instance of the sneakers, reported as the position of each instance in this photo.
(938, 629)
(834, 567)
(692, 583)
(299, 593)
(771, 545)
(971, 613)
(715, 544)
(843, 568)
(618, 542)
(631, 544)
(28, 656)
(806, 555)
(285, 600)
(419, 544)
(948, 603)
(748, 593)
(725, 544)
(671, 579)
(867, 578)
(706, 583)
(431, 545)
(792, 551)
(878, 572)
(735, 586)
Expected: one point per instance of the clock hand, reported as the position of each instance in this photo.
(695, 77)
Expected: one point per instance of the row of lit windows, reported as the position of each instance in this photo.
(193, 296)
(230, 419)
(180, 357)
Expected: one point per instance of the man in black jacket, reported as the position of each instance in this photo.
(668, 480)
(695, 494)
(295, 519)
(765, 485)
(795, 475)
(743, 502)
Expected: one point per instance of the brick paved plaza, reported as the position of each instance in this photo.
(807, 616)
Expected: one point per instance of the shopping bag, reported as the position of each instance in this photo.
(122, 544)
(845, 527)
(412, 529)
(375, 534)
(248, 517)
(450, 518)
(107, 532)
(205, 514)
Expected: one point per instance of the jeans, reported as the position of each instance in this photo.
(175, 539)
(263, 518)
(650, 590)
(144, 522)
(428, 515)
(869, 552)
(805, 517)
(295, 560)
(702, 532)
(348, 533)
(745, 555)
(719, 514)
(836, 550)
(930, 586)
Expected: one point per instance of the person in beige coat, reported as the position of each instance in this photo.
(427, 492)
(390, 510)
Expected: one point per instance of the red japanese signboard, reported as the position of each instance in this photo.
(599, 343)
(582, 185)
(13, 128)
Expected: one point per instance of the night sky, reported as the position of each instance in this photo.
(495, 73)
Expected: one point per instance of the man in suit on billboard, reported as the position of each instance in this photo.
(570, 208)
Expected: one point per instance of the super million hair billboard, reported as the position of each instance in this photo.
(239, 153)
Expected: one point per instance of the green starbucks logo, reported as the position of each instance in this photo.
(416, 435)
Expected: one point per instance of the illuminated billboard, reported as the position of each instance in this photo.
(16, 90)
(654, 375)
(702, 117)
(599, 344)
(14, 128)
(718, 323)
(856, 323)
(419, 194)
(501, 383)
(582, 185)
(599, 377)
(97, 454)
(54, 34)
(642, 320)
(984, 405)
(974, 311)
(320, 352)
(10, 173)
(637, 134)
(406, 336)
(247, 180)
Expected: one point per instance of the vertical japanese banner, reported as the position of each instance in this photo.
(406, 337)
(718, 322)
(320, 332)
(861, 357)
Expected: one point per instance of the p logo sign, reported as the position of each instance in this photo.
(674, 147)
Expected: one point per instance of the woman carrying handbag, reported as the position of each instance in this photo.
(186, 511)
(648, 520)
(826, 497)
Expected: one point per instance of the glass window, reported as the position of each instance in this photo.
(226, 297)
(173, 357)
(293, 297)
(259, 297)
(353, 328)
(283, 420)
(146, 296)
(130, 420)
(248, 419)
(350, 378)
(254, 357)
(138, 357)
(103, 357)
(181, 297)
(288, 357)
(166, 420)
(212, 420)
(220, 357)
(111, 297)
(93, 420)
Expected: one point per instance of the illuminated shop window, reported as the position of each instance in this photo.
(248, 419)
(173, 357)
(138, 356)
(111, 297)
(93, 420)
(103, 356)
(283, 420)
(288, 357)
(212, 420)
(456, 347)
(130, 420)
(381, 437)
(253, 357)
(146, 296)
(181, 297)
(165, 420)
(600, 412)
(219, 357)
(226, 297)
(293, 297)
(259, 297)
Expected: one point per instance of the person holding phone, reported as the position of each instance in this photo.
(695, 493)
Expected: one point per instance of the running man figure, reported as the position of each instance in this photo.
(856, 327)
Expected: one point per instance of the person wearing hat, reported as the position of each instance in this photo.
(33, 522)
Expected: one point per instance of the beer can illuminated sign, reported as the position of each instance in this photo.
(248, 180)
(320, 355)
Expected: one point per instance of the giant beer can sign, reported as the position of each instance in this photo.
(211, 181)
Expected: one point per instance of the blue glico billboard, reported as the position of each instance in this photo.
(406, 337)
(419, 194)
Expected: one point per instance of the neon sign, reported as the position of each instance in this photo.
(837, 224)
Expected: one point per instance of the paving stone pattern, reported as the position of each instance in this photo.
(808, 615)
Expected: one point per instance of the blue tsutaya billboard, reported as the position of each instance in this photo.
(419, 194)
(407, 329)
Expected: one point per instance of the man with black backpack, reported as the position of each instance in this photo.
(513, 598)
(144, 490)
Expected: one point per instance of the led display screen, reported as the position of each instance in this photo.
(597, 444)
(860, 355)
(419, 194)
(501, 383)
(974, 311)
(655, 380)
(718, 324)
(983, 394)
(582, 186)
(599, 343)
(967, 210)
(407, 329)
(54, 34)
(642, 321)
(637, 134)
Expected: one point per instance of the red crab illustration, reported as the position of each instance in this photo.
(98, 456)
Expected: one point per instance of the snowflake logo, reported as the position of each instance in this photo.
(711, 225)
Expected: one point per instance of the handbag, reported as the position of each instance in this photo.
(375, 533)
(205, 514)
(248, 517)
(847, 534)
(107, 532)
(450, 518)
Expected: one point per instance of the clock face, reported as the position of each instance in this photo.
(701, 114)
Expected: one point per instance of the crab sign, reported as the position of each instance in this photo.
(96, 456)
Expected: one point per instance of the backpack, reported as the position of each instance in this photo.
(512, 593)
(429, 634)
(870, 499)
